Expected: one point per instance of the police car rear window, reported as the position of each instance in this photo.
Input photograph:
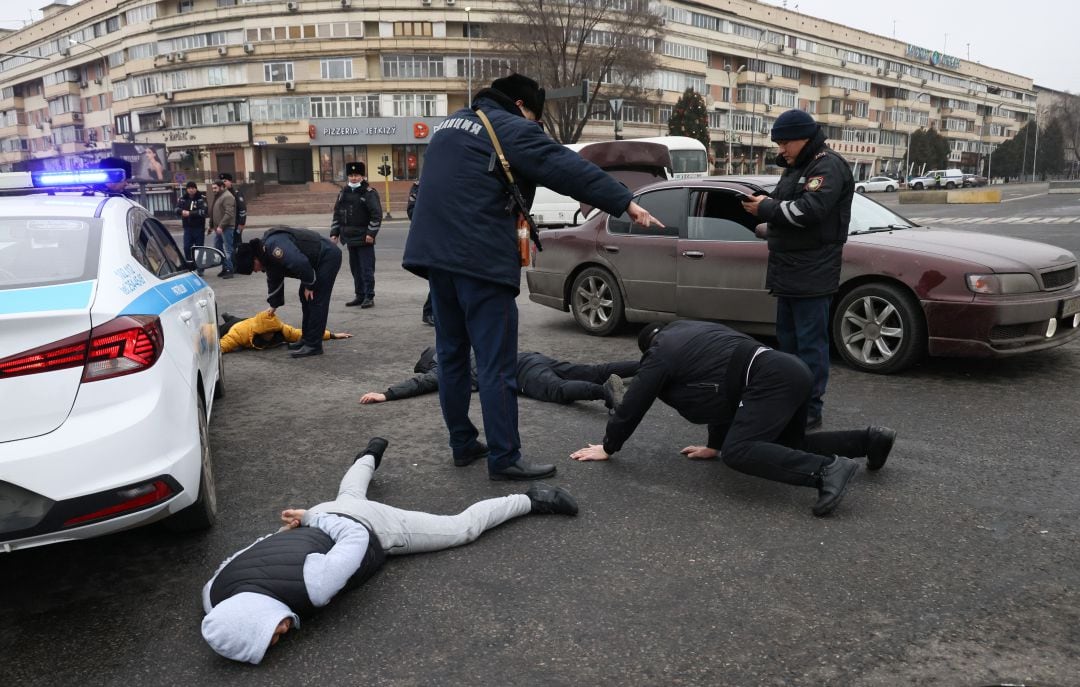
(35, 251)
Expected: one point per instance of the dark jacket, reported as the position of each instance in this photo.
(292, 252)
(465, 223)
(686, 367)
(410, 206)
(241, 206)
(357, 214)
(426, 380)
(808, 217)
(196, 206)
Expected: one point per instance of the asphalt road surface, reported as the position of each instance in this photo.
(955, 565)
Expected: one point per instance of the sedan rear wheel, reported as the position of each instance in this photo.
(596, 301)
(879, 328)
(889, 189)
(203, 513)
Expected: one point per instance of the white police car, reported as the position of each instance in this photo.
(109, 364)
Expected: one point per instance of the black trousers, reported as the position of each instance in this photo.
(362, 266)
(193, 236)
(561, 382)
(767, 437)
(317, 311)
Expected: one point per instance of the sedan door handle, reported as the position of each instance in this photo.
(695, 254)
(201, 303)
(611, 249)
(185, 315)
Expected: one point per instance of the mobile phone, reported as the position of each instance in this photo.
(743, 197)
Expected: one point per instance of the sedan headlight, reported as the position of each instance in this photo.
(1020, 282)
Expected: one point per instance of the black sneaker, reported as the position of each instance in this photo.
(833, 484)
(476, 452)
(367, 303)
(226, 275)
(879, 442)
(375, 448)
(354, 302)
(551, 500)
(613, 391)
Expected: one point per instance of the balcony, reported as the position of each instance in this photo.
(62, 88)
(67, 119)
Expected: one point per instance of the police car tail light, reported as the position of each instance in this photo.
(59, 355)
(131, 499)
(122, 346)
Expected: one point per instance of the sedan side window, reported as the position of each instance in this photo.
(168, 245)
(719, 216)
(667, 205)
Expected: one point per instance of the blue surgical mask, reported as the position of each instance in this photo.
(356, 185)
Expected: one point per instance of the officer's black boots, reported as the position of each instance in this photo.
(523, 470)
(833, 482)
(367, 303)
(375, 448)
(551, 500)
(296, 346)
(613, 391)
(477, 451)
(354, 302)
(305, 351)
(879, 442)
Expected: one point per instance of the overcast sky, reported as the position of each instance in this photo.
(1033, 38)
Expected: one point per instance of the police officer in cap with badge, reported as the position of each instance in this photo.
(806, 224)
(356, 221)
(301, 254)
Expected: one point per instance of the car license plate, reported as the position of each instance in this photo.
(1070, 306)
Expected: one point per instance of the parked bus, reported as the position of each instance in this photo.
(688, 159)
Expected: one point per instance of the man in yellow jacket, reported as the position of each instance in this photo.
(262, 331)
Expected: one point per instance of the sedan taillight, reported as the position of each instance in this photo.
(118, 347)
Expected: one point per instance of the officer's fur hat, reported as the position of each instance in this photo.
(646, 335)
(116, 163)
(519, 87)
(245, 254)
(355, 168)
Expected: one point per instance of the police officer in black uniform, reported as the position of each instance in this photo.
(192, 210)
(301, 254)
(754, 401)
(426, 315)
(806, 225)
(356, 221)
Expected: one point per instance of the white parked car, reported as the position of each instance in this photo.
(109, 364)
(876, 184)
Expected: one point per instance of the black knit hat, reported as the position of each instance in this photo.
(245, 254)
(355, 168)
(116, 163)
(519, 87)
(647, 334)
(794, 125)
(191, 184)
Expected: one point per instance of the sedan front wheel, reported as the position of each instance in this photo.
(596, 301)
(879, 328)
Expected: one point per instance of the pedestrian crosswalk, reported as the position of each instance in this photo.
(997, 220)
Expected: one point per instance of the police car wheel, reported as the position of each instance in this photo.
(203, 513)
(596, 302)
(879, 328)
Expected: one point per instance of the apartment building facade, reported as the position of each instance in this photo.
(289, 91)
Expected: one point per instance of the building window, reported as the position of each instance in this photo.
(185, 6)
(407, 161)
(413, 67)
(278, 71)
(337, 68)
(332, 161)
(414, 105)
(329, 106)
(412, 28)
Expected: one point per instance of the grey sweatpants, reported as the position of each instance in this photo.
(402, 531)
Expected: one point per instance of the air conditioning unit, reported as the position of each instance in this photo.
(847, 91)
(768, 107)
(168, 95)
(843, 63)
(451, 3)
(83, 84)
(768, 77)
(794, 51)
(222, 50)
(779, 48)
(170, 57)
(48, 120)
(290, 85)
(924, 82)
(76, 116)
(159, 123)
(66, 52)
(879, 71)
(180, 56)
(847, 115)
(98, 81)
(292, 6)
(249, 48)
(346, 4)
(426, 3)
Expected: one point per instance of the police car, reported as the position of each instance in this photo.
(109, 365)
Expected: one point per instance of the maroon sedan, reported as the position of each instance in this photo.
(905, 290)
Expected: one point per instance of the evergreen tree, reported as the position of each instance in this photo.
(1051, 149)
(690, 118)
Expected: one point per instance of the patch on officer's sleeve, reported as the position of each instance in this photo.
(815, 183)
(278, 252)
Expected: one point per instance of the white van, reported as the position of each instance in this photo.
(688, 159)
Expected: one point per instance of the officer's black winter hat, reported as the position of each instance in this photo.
(647, 334)
(519, 87)
(191, 184)
(355, 168)
(245, 254)
(225, 176)
(116, 163)
(794, 125)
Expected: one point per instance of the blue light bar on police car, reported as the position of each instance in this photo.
(81, 177)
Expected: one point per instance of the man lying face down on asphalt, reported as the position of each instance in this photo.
(755, 402)
(261, 592)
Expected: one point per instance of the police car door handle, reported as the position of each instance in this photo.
(611, 249)
(185, 315)
(695, 254)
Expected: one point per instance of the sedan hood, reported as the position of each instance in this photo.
(999, 253)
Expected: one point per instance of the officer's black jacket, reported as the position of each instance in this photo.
(808, 217)
(196, 206)
(241, 206)
(687, 368)
(357, 214)
(292, 252)
(426, 380)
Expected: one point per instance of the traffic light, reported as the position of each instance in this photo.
(384, 170)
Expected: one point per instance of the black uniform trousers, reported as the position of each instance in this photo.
(317, 311)
(193, 236)
(362, 266)
(767, 437)
(563, 382)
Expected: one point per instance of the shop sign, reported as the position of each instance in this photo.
(934, 57)
(372, 130)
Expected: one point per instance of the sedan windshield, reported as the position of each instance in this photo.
(868, 216)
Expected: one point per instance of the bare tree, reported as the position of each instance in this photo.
(1066, 112)
(613, 43)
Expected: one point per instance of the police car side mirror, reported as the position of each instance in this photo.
(205, 257)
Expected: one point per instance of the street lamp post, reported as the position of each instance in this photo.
(105, 72)
(907, 146)
(468, 29)
(731, 112)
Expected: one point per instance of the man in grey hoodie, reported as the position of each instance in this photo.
(261, 592)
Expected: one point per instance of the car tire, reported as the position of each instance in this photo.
(950, 185)
(860, 189)
(879, 328)
(918, 186)
(219, 385)
(596, 302)
(203, 513)
(890, 189)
